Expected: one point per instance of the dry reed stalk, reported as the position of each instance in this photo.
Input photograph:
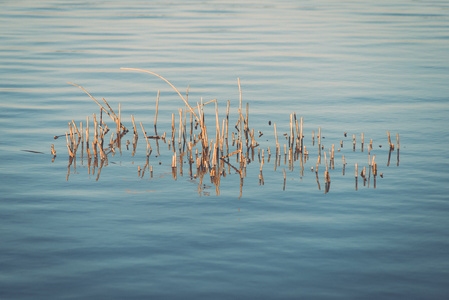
(172, 128)
(362, 139)
(356, 170)
(253, 141)
(146, 71)
(113, 113)
(82, 133)
(231, 154)
(146, 138)
(217, 125)
(134, 126)
(87, 136)
(247, 114)
(296, 125)
(53, 152)
(290, 145)
(325, 159)
(276, 136)
(94, 142)
(180, 129)
(222, 134)
(389, 140)
(119, 119)
(353, 141)
(191, 126)
(333, 148)
(317, 163)
(397, 138)
(157, 106)
(95, 126)
(68, 147)
(76, 128)
(102, 154)
(240, 127)
(227, 120)
(71, 134)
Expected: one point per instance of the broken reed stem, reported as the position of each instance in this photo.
(157, 106)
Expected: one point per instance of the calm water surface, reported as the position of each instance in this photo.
(346, 66)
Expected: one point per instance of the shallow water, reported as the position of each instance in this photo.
(350, 66)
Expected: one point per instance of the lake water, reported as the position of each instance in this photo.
(352, 67)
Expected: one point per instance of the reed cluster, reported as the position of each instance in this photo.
(208, 152)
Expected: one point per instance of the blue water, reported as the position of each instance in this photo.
(346, 66)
